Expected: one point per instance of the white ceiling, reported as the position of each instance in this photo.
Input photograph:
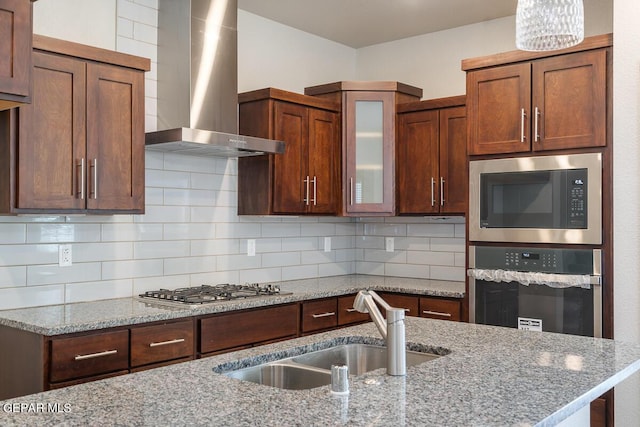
(359, 23)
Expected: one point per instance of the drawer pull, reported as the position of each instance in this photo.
(158, 344)
(316, 316)
(93, 355)
(436, 313)
(351, 310)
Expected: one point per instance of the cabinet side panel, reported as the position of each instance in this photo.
(21, 363)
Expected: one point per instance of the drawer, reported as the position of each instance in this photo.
(160, 343)
(410, 303)
(245, 328)
(440, 308)
(89, 355)
(319, 314)
(347, 314)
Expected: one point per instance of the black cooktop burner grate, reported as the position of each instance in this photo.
(210, 293)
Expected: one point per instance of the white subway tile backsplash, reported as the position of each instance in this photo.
(375, 229)
(431, 258)
(131, 232)
(51, 274)
(317, 257)
(107, 251)
(189, 265)
(13, 276)
(335, 269)
(216, 247)
(447, 273)
(167, 179)
(376, 268)
(260, 275)
(131, 269)
(31, 296)
(164, 214)
(125, 27)
(161, 249)
(237, 230)
(370, 242)
(152, 283)
(91, 291)
(49, 233)
(299, 272)
(239, 262)
(448, 245)
(318, 229)
(190, 231)
(187, 197)
(408, 270)
(431, 230)
(281, 230)
(300, 244)
(281, 259)
(13, 233)
(145, 33)
(28, 254)
(138, 12)
(378, 255)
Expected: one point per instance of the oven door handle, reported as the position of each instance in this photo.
(532, 277)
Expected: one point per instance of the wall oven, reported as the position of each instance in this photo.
(545, 199)
(542, 289)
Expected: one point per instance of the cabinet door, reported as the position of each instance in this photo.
(454, 174)
(15, 52)
(115, 138)
(417, 176)
(570, 101)
(51, 148)
(290, 174)
(161, 343)
(369, 152)
(324, 161)
(498, 103)
(410, 303)
(440, 308)
(319, 314)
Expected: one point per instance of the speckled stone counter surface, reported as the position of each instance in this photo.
(68, 318)
(491, 377)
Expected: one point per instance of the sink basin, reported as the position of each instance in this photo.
(282, 375)
(360, 358)
(313, 369)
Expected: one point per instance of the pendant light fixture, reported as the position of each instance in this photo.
(549, 24)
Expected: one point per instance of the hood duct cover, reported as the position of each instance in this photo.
(198, 82)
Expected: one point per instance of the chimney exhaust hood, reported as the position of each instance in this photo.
(198, 82)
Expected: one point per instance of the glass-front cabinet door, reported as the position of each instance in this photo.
(369, 154)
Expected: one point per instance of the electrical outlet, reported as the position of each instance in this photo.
(327, 244)
(64, 255)
(389, 244)
(251, 247)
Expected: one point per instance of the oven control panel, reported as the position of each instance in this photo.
(544, 260)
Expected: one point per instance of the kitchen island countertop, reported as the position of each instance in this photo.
(87, 316)
(492, 377)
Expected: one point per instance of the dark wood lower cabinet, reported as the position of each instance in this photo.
(319, 314)
(246, 328)
(162, 343)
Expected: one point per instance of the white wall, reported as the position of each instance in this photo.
(626, 197)
(274, 55)
(91, 22)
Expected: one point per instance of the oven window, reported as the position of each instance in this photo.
(551, 199)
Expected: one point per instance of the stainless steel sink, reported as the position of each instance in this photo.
(282, 375)
(360, 358)
(313, 369)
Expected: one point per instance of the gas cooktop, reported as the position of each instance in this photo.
(211, 293)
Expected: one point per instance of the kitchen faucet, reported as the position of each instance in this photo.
(392, 330)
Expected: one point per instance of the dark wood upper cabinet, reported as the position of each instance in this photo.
(431, 162)
(368, 141)
(304, 179)
(543, 103)
(79, 146)
(16, 29)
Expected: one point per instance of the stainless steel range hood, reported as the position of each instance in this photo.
(198, 82)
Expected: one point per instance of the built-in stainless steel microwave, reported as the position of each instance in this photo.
(545, 199)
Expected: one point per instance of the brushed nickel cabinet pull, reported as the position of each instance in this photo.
(317, 316)
(433, 197)
(441, 191)
(350, 310)
(535, 127)
(436, 313)
(523, 115)
(315, 191)
(94, 184)
(94, 355)
(158, 344)
(82, 179)
(306, 191)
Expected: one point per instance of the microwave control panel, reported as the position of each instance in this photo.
(577, 198)
(544, 260)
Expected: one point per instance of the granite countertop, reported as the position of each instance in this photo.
(492, 377)
(78, 317)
